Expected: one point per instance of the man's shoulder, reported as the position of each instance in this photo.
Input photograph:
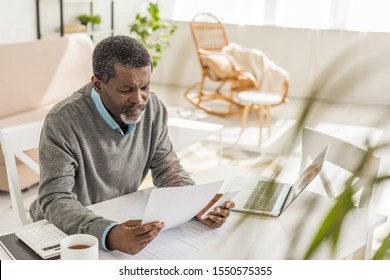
(154, 97)
(155, 107)
(155, 102)
(74, 100)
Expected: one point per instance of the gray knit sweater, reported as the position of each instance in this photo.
(84, 161)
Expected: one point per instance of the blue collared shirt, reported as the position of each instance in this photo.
(106, 115)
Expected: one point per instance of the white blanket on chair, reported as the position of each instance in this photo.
(270, 76)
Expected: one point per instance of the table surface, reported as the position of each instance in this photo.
(184, 132)
(262, 237)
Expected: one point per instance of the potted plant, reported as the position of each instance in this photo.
(153, 32)
(93, 19)
(84, 19)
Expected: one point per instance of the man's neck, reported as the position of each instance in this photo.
(118, 120)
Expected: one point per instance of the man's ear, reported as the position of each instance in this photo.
(96, 84)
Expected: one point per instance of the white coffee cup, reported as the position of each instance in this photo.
(80, 247)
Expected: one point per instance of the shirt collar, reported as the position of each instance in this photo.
(106, 115)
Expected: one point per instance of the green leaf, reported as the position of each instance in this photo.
(383, 252)
(153, 32)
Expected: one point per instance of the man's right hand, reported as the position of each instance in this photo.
(131, 237)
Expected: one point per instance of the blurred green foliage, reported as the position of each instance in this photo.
(153, 32)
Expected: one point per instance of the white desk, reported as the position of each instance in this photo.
(260, 237)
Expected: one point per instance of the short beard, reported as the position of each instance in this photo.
(131, 120)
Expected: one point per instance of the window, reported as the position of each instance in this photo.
(358, 15)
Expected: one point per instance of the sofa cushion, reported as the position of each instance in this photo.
(35, 74)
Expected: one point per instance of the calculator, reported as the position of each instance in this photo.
(44, 240)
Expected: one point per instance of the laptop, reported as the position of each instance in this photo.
(271, 197)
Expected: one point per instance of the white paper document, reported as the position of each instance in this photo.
(182, 237)
(182, 243)
(176, 205)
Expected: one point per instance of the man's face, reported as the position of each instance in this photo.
(125, 95)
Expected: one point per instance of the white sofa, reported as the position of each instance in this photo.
(34, 76)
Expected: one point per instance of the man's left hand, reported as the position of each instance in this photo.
(218, 216)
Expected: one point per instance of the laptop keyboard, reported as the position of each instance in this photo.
(264, 196)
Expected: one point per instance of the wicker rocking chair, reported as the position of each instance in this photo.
(217, 70)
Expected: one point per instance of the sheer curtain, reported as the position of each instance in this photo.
(358, 15)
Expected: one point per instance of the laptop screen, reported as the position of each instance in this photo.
(306, 177)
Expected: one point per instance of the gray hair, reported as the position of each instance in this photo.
(123, 50)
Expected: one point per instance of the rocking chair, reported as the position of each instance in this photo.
(218, 69)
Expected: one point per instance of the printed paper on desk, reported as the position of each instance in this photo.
(177, 205)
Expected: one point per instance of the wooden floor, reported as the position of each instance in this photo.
(245, 151)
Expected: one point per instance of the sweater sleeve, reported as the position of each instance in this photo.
(56, 200)
(167, 170)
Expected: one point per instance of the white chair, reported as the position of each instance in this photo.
(343, 155)
(15, 141)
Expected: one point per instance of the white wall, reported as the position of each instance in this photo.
(17, 21)
(350, 66)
